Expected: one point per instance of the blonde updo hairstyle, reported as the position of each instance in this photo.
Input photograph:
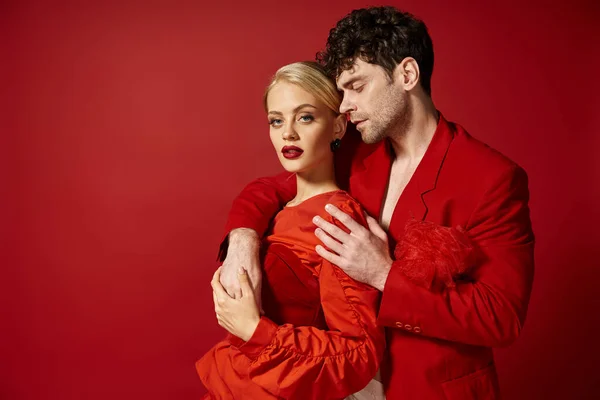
(311, 77)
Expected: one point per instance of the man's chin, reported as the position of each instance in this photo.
(370, 139)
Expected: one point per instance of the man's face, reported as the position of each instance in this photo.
(376, 104)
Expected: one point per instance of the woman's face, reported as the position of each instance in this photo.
(301, 128)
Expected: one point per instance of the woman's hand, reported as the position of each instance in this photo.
(240, 316)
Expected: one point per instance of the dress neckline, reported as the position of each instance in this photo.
(316, 196)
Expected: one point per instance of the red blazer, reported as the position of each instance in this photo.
(319, 338)
(439, 342)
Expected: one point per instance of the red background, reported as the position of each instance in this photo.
(128, 129)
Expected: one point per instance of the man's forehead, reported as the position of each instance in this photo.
(347, 74)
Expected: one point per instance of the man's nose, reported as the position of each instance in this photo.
(347, 106)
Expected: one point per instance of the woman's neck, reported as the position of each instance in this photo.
(320, 179)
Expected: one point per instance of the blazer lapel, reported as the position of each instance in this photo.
(412, 203)
(368, 183)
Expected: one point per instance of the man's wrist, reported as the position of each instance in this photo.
(244, 238)
(381, 277)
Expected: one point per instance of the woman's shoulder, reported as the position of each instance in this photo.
(341, 197)
(304, 212)
(346, 203)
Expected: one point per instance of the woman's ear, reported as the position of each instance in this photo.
(339, 126)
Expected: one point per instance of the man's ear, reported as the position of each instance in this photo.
(407, 73)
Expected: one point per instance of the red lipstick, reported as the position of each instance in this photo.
(291, 152)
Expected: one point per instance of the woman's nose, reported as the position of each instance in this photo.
(289, 133)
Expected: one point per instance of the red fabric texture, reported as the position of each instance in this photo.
(434, 256)
(319, 337)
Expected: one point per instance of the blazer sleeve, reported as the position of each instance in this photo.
(302, 362)
(490, 308)
(257, 204)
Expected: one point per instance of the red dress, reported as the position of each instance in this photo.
(319, 337)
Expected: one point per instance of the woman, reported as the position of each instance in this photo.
(318, 337)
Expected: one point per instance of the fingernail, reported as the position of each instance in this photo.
(328, 207)
(316, 219)
(241, 270)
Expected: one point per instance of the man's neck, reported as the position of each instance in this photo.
(411, 141)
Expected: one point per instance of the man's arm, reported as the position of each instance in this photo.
(249, 218)
(489, 309)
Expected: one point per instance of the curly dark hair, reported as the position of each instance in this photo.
(382, 36)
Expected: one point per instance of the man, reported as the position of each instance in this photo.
(455, 211)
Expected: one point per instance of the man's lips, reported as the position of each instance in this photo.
(359, 123)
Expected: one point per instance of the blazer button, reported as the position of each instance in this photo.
(407, 327)
(399, 324)
(417, 329)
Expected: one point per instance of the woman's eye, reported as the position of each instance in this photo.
(275, 122)
(359, 89)
(307, 118)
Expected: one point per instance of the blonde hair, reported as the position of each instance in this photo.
(311, 77)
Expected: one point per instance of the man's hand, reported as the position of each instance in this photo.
(240, 317)
(244, 246)
(363, 253)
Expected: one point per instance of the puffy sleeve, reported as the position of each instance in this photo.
(302, 362)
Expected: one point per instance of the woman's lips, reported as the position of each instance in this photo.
(292, 152)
